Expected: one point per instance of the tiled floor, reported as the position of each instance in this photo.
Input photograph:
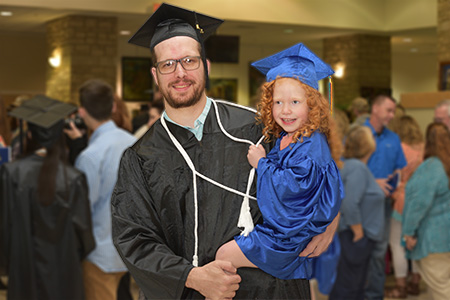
(389, 283)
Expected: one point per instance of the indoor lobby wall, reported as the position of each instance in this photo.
(22, 65)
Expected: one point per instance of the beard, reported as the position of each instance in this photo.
(181, 100)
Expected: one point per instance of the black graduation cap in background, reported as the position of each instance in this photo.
(169, 21)
(45, 117)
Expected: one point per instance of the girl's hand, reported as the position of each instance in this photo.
(255, 153)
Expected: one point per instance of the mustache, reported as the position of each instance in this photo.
(177, 82)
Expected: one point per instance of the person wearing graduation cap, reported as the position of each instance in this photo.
(45, 228)
(299, 186)
(181, 187)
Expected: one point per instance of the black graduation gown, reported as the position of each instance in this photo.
(42, 247)
(153, 207)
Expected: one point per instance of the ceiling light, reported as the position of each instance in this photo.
(414, 50)
(407, 40)
(6, 13)
(288, 30)
(125, 32)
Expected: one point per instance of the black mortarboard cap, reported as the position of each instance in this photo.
(44, 117)
(169, 21)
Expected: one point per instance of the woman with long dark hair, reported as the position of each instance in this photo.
(426, 215)
(45, 215)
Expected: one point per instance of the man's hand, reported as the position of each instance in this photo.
(216, 280)
(319, 244)
(382, 182)
(358, 232)
(255, 153)
(73, 133)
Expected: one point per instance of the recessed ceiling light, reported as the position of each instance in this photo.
(288, 30)
(414, 50)
(407, 40)
(125, 32)
(6, 13)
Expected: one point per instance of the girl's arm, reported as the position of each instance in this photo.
(232, 253)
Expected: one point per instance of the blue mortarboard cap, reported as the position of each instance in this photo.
(296, 62)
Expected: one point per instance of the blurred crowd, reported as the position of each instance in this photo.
(59, 179)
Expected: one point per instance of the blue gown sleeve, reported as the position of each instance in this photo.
(298, 198)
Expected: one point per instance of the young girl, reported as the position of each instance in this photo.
(299, 188)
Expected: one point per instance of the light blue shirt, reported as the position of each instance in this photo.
(100, 162)
(198, 124)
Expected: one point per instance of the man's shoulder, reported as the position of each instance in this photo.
(235, 111)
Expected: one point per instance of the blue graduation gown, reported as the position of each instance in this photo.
(299, 193)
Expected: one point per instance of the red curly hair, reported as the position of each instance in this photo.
(319, 118)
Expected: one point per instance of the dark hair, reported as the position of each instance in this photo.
(158, 104)
(380, 98)
(56, 154)
(438, 144)
(97, 97)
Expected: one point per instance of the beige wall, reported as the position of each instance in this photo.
(22, 64)
(23, 67)
(413, 73)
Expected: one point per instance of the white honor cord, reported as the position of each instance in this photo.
(245, 205)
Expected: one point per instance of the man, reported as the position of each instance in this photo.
(387, 159)
(103, 267)
(167, 222)
(442, 112)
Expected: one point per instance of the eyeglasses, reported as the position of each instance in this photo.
(189, 63)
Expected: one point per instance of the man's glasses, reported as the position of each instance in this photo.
(189, 63)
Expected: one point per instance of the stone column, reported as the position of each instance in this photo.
(88, 49)
(366, 60)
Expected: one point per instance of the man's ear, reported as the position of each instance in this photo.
(82, 112)
(208, 65)
(154, 75)
(114, 107)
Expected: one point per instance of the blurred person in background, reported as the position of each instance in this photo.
(385, 163)
(103, 268)
(45, 229)
(121, 115)
(426, 215)
(412, 143)
(359, 111)
(442, 113)
(156, 108)
(362, 216)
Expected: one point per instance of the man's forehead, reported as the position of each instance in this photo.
(180, 45)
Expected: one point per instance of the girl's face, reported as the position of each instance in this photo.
(290, 108)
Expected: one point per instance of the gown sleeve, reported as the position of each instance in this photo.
(306, 194)
(5, 197)
(298, 198)
(139, 238)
